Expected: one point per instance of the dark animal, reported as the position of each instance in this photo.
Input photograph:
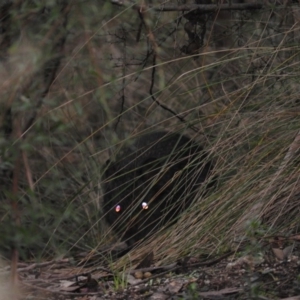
(151, 183)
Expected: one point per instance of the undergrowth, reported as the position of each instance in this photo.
(111, 83)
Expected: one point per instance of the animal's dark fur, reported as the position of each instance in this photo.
(161, 169)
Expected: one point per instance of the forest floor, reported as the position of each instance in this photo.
(271, 274)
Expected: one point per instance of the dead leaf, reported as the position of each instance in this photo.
(174, 286)
(278, 253)
(159, 296)
(223, 292)
(287, 251)
(131, 280)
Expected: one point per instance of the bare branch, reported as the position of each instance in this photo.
(190, 7)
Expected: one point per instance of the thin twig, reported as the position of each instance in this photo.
(189, 7)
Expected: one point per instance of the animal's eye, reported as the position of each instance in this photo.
(118, 208)
(145, 205)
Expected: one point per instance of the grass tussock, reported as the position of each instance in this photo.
(112, 82)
